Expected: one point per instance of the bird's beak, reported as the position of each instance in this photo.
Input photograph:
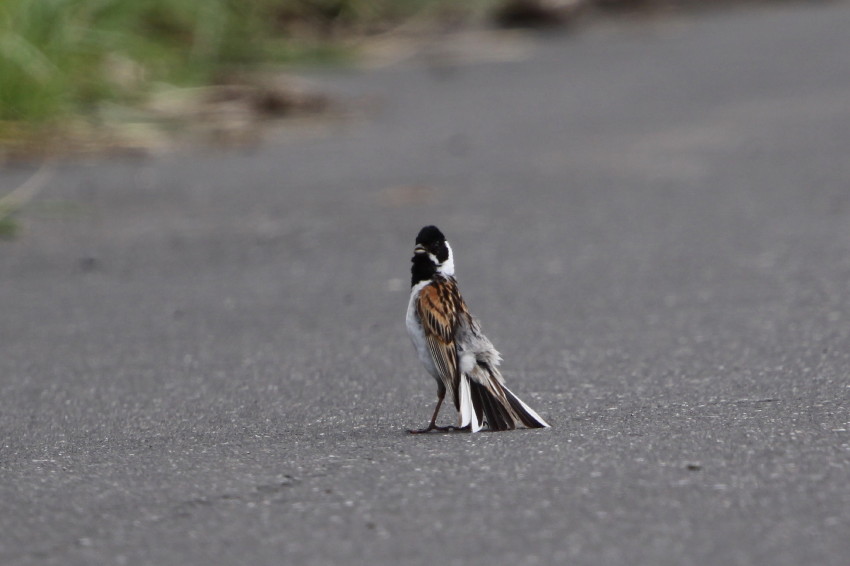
(419, 249)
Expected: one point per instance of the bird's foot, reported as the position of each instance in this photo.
(432, 426)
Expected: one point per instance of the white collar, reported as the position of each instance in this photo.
(447, 268)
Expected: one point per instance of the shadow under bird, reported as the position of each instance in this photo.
(449, 342)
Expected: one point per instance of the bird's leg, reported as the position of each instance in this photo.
(433, 424)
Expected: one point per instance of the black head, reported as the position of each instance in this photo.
(432, 255)
(432, 240)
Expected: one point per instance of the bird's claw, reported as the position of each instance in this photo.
(432, 426)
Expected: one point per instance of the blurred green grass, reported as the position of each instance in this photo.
(63, 57)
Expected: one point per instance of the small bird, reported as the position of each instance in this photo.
(452, 347)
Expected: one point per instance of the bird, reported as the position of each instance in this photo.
(451, 346)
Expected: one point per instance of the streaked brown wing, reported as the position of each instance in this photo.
(436, 307)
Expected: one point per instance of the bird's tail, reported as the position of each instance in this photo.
(494, 404)
(525, 413)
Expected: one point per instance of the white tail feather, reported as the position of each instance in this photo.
(465, 402)
(528, 409)
(467, 410)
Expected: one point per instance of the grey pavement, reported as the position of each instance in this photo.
(203, 357)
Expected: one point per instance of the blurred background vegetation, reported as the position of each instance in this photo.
(63, 60)
(64, 56)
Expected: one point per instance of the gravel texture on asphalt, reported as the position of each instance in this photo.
(203, 357)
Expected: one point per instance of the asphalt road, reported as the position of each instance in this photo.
(203, 357)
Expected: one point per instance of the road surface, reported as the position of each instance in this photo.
(203, 357)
